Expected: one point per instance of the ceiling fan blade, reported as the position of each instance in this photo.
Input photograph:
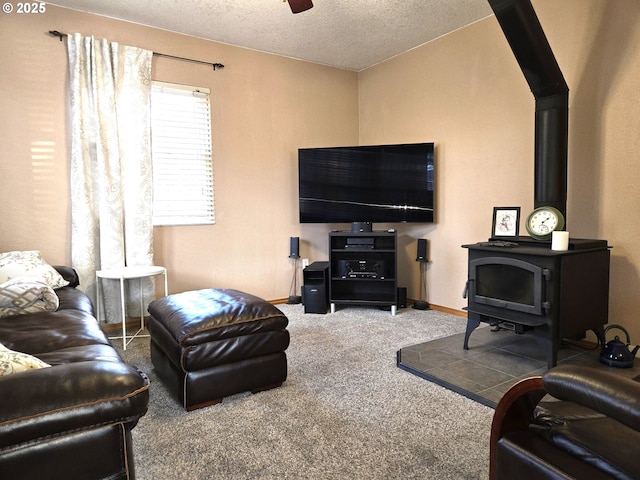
(298, 6)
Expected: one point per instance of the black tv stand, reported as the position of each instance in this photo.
(363, 269)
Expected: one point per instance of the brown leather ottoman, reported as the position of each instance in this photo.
(209, 344)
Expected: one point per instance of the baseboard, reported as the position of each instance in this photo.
(279, 301)
(439, 308)
(451, 311)
(117, 327)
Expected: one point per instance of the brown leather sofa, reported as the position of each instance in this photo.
(73, 419)
(573, 422)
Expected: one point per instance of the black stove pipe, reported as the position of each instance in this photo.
(529, 44)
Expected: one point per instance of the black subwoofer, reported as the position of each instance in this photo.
(314, 298)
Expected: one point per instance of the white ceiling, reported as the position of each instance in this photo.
(348, 34)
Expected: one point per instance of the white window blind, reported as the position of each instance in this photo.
(181, 154)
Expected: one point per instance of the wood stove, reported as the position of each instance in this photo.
(524, 285)
(529, 288)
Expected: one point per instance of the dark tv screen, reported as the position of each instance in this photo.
(381, 183)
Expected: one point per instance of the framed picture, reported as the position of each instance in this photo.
(506, 222)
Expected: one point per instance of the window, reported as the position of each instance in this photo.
(181, 155)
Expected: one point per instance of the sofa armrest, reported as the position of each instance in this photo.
(69, 274)
(73, 397)
(612, 395)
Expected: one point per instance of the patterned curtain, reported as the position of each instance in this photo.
(111, 189)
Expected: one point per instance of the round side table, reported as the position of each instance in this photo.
(129, 273)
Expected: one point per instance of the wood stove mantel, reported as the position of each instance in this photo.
(532, 289)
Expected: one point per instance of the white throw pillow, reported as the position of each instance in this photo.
(14, 362)
(26, 295)
(29, 263)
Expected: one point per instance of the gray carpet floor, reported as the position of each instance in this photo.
(345, 412)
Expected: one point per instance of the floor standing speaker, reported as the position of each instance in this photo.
(421, 256)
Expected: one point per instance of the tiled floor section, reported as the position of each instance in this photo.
(493, 363)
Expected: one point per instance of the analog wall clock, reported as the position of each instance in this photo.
(543, 221)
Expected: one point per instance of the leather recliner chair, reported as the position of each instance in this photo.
(572, 422)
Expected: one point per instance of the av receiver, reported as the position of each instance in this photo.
(361, 269)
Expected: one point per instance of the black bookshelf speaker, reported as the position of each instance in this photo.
(402, 297)
(421, 255)
(294, 247)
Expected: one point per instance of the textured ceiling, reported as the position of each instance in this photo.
(349, 34)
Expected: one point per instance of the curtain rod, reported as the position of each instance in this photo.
(215, 66)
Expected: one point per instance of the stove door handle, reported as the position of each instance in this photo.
(466, 289)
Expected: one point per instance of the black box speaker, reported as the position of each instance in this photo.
(294, 247)
(421, 255)
(361, 227)
(314, 298)
(402, 297)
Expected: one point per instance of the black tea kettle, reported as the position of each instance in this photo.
(615, 353)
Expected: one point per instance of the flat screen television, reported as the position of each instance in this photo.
(377, 183)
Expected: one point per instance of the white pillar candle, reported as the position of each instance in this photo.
(560, 241)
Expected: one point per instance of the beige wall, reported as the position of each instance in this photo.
(452, 92)
(263, 108)
(464, 91)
